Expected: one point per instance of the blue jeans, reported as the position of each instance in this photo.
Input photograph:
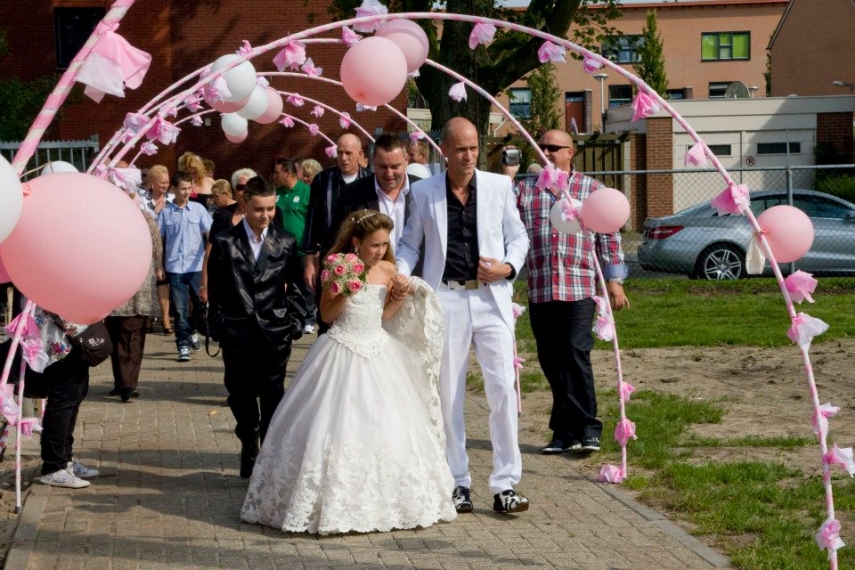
(183, 289)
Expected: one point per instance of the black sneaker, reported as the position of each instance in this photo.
(560, 446)
(129, 395)
(509, 502)
(590, 444)
(462, 499)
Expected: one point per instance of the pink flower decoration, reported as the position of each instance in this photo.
(295, 100)
(149, 148)
(570, 210)
(135, 122)
(804, 328)
(325, 275)
(624, 430)
(643, 106)
(244, 49)
(458, 91)
(842, 457)
(196, 121)
(193, 103)
(128, 179)
(317, 111)
(696, 156)
(518, 362)
(550, 177)
(828, 537)
(314, 129)
(370, 8)
(551, 52)
(344, 120)
(481, 34)
(732, 200)
(292, 56)
(604, 328)
(625, 390)
(800, 285)
(354, 285)
(163, 131)
(351, 258)
(820, 424)
(331, 151)
(335, 288)
(612, 474)
(517, 310)
(311, 70)
(416, 136)
(349, 36)
(591, 65)
(288, 121)
(217, 91)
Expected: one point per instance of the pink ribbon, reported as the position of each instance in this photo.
(149, 148)
(551, 52)
(193, 103)
(310, 69)
(820, 423)
(481, 34)
(112, 64)
(800, 285)
(550, 177)
(196, 121)
(344, 120)
(370, 8)
(292, 56)
(804, 328)
(591, 65)
(625, 390)
(643, 106)
(295, 100)
(697, 156)
(624, 430)
(128, 179)
(458, 91)
(604, 328)
(317, 111)
(287, 122)
(163, 131)
(135, 122)
(828, 537)
(245, 49)
(331, 151)
(517, 310)
(314, 129)
(841, 457)
(731, 200)
(612, 474)
(518, 362)
(349, 37)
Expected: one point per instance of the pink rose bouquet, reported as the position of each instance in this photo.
(343, 274)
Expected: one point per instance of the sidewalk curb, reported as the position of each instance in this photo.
(28, 527)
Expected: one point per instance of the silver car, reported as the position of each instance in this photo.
(700, 243)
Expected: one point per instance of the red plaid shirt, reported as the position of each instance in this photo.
(560, 265)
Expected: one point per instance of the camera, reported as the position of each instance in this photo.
(511, 157)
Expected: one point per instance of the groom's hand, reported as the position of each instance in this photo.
(490, 270)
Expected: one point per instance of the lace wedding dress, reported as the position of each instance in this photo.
(357, 442)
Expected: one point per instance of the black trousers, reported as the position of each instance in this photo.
(562, 331)
(255, 378)
(68, 384)
(128, 336)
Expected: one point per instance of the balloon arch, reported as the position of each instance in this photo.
(231, 86)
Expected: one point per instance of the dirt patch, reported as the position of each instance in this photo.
(8, 516)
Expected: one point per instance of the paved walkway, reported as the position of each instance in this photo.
(169, 497)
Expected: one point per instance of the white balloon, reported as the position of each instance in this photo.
(234, 124)
(240, 79)
(559, 223)
(257, 104)
(11, 199)
(58, 166)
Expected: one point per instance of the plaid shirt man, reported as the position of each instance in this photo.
(560, 265)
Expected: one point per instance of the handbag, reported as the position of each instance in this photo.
(93, 343)
(202, 322)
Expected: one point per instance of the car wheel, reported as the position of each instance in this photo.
(720, 261)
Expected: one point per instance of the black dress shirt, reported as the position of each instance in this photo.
(461, 259)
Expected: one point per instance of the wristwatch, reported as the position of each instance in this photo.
(618, 280)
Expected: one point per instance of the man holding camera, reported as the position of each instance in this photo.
(562, 281)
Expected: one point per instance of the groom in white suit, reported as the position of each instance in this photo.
(474, 244)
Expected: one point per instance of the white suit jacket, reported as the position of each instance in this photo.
(501, 233)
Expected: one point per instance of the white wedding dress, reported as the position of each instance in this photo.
(357, 443)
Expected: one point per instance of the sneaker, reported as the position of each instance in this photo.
(590, 444)
(509, 502)
(79, 470)
(560, 446)
(128, 395)
(183, 354)
(196, 342)
(308, 329)
(462, 499)
(63, 478)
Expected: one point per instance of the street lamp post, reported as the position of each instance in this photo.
(601, 77)
(848, 84)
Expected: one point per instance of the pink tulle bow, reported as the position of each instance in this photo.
(135, 122)
(163, 131)
(193, 103)
(643, 106)
(820, 423)
(112, 65)
(29, 328)
(344, 120)
(128, 179)
(295, 100)
(804, 328)
(317, 111)
(245, 49)
(292, 56)
(416, 136)
(591, 65)
(828, 537)
(518, 362)
(149, 148)
(612, 474)
(551, 177)
(349, 37)
(842, 457)
(551, 52)
(310, 69)
(287, 122)
(696, 156)
(314, 129)
(604, 328)
(196, 121)
(370, 8)
(731, 200)
(517, 310)
(624, 430)
(481, 34)
(625, 390)
(570, 209)
(800, 285)
(331, 151)
(217, 91)
(458, 91)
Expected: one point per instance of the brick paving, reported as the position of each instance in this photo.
(169, 497)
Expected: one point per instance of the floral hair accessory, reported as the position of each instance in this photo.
(343, 274)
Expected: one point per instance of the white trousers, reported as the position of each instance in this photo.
(474, 316)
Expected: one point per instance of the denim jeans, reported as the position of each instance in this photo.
(184, 289)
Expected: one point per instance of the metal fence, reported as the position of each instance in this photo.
(79, 153)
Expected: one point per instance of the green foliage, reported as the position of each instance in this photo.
(651, 65)
(4, 44)
(840, 185)
(20, 102)
(545, 97)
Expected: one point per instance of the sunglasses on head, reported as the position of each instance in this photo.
(552, 147)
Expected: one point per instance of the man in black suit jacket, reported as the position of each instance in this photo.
(255, 313)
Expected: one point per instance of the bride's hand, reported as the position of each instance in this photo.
(400, 287)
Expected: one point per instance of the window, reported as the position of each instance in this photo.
(779, 148)
(718, 89)
(819, 207)
(619, 95)
(720, 46)
(675, 94)
(720, 149)
(520, 103)
(73, 27)
(622, 49)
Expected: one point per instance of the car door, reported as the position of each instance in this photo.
(833, 248)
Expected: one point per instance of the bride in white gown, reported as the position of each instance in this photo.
(357, 443)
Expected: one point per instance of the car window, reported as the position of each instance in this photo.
(759, 205)
(819, 207)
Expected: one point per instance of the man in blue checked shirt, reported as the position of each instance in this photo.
(184, 226)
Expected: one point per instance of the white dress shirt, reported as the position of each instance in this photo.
(254, 242)
(395, 209)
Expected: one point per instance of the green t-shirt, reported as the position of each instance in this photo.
(294, 204)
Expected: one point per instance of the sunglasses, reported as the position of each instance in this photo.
(240, 187)
(552, 147)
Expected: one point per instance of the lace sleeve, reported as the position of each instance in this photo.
(419, 325)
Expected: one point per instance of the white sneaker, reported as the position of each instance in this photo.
(63, 478)
(196, 342)
(80, 470)
(308, 329)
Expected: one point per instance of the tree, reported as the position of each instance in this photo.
(651, 64)
(544, 96)
(20, 101)
(508, 58)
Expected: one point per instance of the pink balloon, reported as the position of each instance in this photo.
(274, 107)
(407, 27)
(81, 247)
(4, 275)
(237, 138)
(359, 74)
(789, 232)
(226, 107)
(605, 211)
(414, 51)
